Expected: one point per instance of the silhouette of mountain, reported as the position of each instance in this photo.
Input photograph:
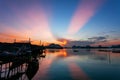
(54, 46)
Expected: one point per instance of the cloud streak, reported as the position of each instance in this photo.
(79, 43)
(98, 39)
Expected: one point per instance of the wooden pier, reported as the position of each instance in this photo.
(22, 64)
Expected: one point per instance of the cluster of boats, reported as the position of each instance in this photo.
(23, 62)
(107, 50)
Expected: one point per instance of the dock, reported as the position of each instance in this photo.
(14, 66)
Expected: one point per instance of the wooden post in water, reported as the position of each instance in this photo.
(0, 70)
(5, 69)
(109, 58)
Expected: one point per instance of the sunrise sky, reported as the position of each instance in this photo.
(80, 22)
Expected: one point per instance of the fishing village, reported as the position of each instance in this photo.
(18, 58)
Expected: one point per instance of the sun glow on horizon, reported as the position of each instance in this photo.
(32, 23)
(21, 20)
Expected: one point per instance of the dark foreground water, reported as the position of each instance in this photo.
(79, 65)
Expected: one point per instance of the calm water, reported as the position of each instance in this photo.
(79, 65)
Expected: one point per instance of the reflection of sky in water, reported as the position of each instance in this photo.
(80, 65)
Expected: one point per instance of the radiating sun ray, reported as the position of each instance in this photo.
(30, 22)
(82, 15)
(37, 24)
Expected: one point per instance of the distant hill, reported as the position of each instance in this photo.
(54, 46)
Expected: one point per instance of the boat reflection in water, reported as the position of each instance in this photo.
(32, 68)
(21, 68)
(65, 64)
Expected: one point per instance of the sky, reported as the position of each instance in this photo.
(76, 22)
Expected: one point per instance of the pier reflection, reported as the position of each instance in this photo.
(62, 64)
(20, 67)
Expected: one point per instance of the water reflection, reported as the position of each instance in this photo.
(77, 73)
(32, 68)
(20, 68)
(62, 64)
(51, 56)
(81, 65)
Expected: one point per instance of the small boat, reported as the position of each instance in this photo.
(6, 56)
(42, 55)
(116, 51)
(75, 51)
(104, 50)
